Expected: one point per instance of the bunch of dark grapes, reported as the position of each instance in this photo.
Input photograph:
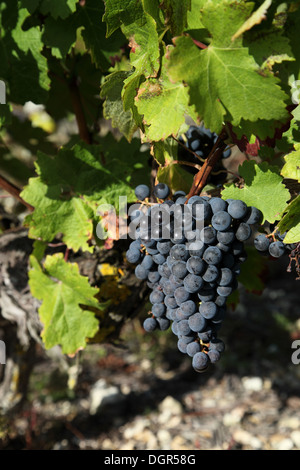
(189, 252)
(200, 140)
(273, 244)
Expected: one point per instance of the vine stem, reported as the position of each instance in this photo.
(215, 155)
(14, 191)
(79, 111)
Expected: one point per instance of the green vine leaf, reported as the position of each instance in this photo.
(113, 107)
(72, 185)
(263, 188)
(23, 65)
(291, 168)
(65, 296)
(164, 106)
(291, 222)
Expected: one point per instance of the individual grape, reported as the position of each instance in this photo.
(201, 210)
(161, 191)
(183, 328)
(221, 221)
(226, 277)
(217, 204)
(187, 339)
(200, 361)
(220, 300)
(159, 258)
(182, 346)
(226, 237)
(181, 295)
(211, 274)
(150, 324)
(179, 269)
(223, 248)
(197, 322)
(261, 243)
(163, 323)
(224, 290)
(253, 216)
(195, 265)
(179, 252)
(142, 192)
(164, 247)
(243, 232)
(237, 209)
(156, 297)
(208, 309)
(208, 235)
(180, 315)
(170, 301)
(174, 327)
(217, 345)
(206, 336)
(197, 248)
(193, 348)
(154, 276)
(171, 314)
(158, 310)
(164, 270)
(141, 273)
(192, 283)
(212, 255)
(168, 287)
(214, 356)
(133, 256)
(135, 245)
(188, 307)
(147, 262)
(277, 249)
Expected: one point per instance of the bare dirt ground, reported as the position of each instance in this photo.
(143, 393)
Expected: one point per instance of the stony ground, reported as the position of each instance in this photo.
(143, 393)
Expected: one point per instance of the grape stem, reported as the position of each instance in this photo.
(13, 191)
(212, 159)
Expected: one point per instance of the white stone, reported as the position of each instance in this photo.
(136, 429)
(171, 405)
(245, 438)
(102, 394)
(295, 436)
(285, 444)
(252, 384)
